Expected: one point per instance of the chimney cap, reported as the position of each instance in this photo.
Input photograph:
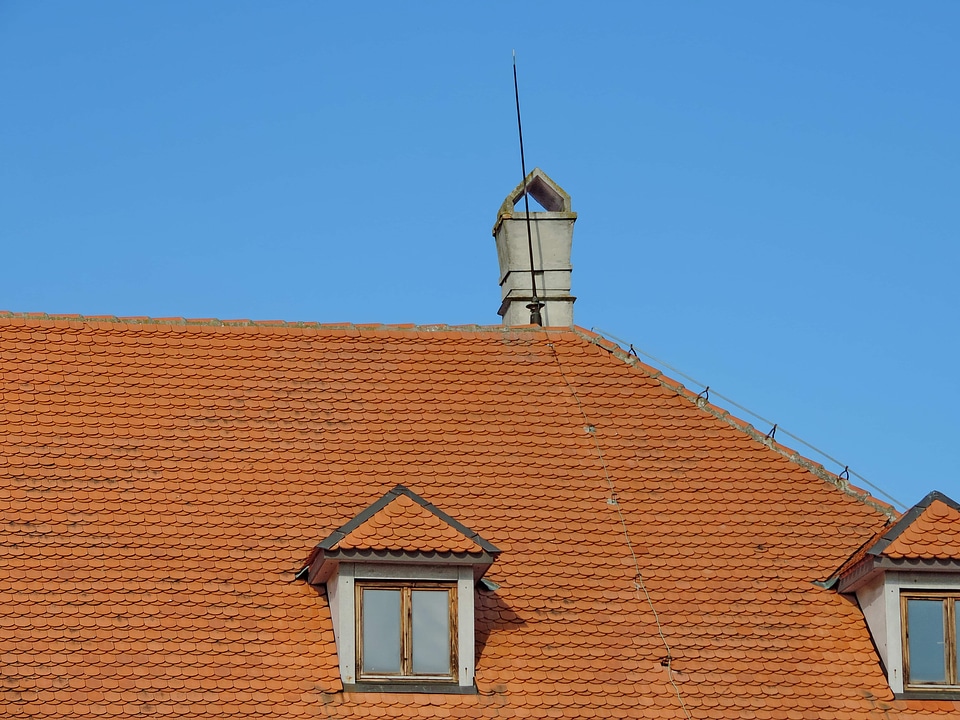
(541, 188)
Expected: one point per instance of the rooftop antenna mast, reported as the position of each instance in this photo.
(535, 304)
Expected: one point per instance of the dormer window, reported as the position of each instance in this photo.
(400, 578)
(907, 583)
(407, 631)
(931, 624)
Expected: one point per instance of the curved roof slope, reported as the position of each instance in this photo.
(161, 484)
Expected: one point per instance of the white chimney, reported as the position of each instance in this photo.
(551, 236)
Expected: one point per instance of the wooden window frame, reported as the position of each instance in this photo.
(950, 599)
(406, 589)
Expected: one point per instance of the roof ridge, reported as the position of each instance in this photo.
(726, 416)
(245, 322)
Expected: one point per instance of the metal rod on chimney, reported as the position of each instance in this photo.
(535, 304)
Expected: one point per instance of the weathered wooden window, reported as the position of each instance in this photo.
(931, 625)
(407, 631)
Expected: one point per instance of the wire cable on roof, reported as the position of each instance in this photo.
(638, 585)
(846, 469)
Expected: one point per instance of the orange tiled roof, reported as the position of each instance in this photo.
(162, 482)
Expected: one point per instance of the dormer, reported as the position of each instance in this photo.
(907, 582)
(400, 578)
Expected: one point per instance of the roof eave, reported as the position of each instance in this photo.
(872, 566)
(324, 563)
(859, 575)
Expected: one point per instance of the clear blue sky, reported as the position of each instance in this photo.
(767, 192)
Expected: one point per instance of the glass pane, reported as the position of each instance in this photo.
(381, 631)
(925, 638)
(431, 632)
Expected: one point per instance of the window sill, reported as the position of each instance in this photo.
(420, 688)
(916, 694)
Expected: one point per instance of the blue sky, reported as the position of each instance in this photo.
(767, 192)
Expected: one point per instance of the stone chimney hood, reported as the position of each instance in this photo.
(552, 236)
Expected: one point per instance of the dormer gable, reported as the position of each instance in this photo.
(407, 523)
(401, 527)
(934, 534)
(400, 578)
(907, 583)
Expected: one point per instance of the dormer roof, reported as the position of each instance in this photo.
(934, 534)
(926, 537)
(401, 527)
(402, 520)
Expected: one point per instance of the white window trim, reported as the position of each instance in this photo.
(341, 592)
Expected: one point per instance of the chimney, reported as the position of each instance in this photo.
(551, 233)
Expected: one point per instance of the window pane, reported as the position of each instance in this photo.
(381, 631)
(926, 642)
(431, 632)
